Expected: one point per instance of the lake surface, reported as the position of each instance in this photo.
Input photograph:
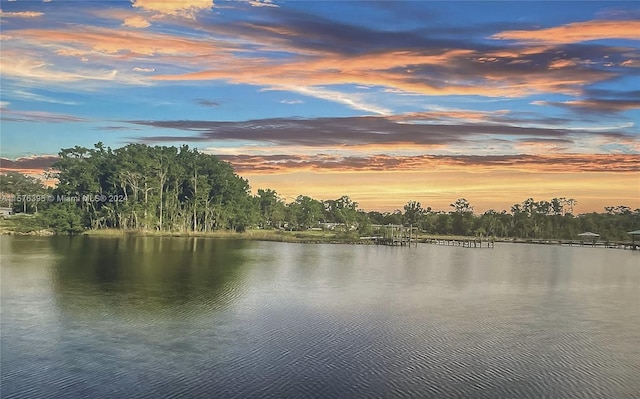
(194, 317)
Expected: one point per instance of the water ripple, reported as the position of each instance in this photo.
(278, 320)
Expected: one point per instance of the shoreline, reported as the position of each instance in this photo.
(303, 237)
(309, 237)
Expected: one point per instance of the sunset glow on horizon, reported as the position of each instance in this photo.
(385, 102)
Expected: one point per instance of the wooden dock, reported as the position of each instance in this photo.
(582, 243)
(393, 241)
(465, 243)
(393, 235)
(398, 237)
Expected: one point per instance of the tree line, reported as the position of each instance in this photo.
(169, 189)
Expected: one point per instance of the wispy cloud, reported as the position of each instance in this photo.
(25, 95)
(115, 128)
(565, 163)
(207, 103)
(590, 105)
(9, 115)
(124, 42)
(136, 22)
(487, 72)
(576, 32)
(145, 70)
(354, 131)
(30, 69)
(183, 8)
(20, 14)
(351, 100)
(319, 58)
(261, 3)
(287, 163)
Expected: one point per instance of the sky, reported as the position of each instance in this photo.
(385, 101)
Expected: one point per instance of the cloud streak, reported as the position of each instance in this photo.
(410, 62)
(565, 163)
(576, 32)
(599, 105)
(35, 165)
(318, 57)
(207, 103)
(33, 72)
(286, 163)
(20, 14)
(352, 131)
(182, 8)
(9, 115)
(136, 22)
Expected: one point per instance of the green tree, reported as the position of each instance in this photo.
(462, 217)
(413, 213)
(63, 218)
(23, 193)
(271, 208)
(307, 211)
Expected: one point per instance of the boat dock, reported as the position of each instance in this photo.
(466, 242)
(582, 243)
(393, 235)
(393, 241)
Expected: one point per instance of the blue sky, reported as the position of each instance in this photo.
(314, 97)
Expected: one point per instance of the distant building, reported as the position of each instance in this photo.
(5, 211)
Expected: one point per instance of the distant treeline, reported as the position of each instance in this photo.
(139, 187)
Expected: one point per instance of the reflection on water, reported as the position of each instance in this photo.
(142, 272)
(194, 317)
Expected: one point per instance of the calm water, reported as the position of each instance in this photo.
(173, 317)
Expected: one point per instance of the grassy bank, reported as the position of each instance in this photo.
(23, 225)
(257, 235)
(28, 225)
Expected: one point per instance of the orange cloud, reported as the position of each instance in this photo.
(21, 14)
(183, 8)
(121, 42)
(286, 164)
(309, 71)
(576, 32)
(17, 65)
(562, 63)
(459, 115)
(631, 63)
(136, 22)
(575, 163)
(286, 77)
(104, 47)
(593, 105)
(393, 69)
(604, 105)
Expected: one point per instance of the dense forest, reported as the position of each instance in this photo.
(169, 189)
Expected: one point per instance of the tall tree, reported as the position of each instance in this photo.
(413, 213)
